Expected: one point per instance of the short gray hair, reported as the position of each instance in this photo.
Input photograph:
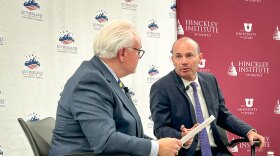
(113, 36)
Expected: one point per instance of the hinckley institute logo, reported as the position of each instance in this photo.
(248, 68)
(246, 32)
(66, 40)
(203, 28)
(32, 67)
(247, 147)
(277, 108)
(129, 5)
(30, 10)
(101, 18)
(153, 74)
(172, 12)
(253, 1)
(276, 34)
(153, 29)
(180, 30)
(248, 107)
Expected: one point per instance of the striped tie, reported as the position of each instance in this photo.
(203, 137)
(125, 89)
(120, 84)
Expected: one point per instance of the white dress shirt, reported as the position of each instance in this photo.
(203, 108)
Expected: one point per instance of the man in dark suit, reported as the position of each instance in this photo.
(172, 103)
(95, 114)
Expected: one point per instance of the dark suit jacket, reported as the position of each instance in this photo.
(171, 107)
(95, 115)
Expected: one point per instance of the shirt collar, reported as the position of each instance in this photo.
(110, 69)
(187, 83)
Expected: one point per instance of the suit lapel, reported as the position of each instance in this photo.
(180, 85)
(127, 102)
(206, 90)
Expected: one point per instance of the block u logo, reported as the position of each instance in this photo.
(249, 102)
(248, 27)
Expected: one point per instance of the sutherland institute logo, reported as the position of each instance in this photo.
(172, 13)
(32, 64)
(33, 117)
(101, 18)
(2, 101)
(66, 39)
(1, 40)
(246, 32)
(153, 72)
(132, 95)
(153, 27)
(31, 5)
(150, 121)
(129, 5)
(248, 108)
(276, 34)
(30, 14)
(249, 68)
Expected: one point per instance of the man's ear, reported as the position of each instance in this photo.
(200, 55)
(121, 54)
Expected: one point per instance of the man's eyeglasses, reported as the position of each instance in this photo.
(140, 52)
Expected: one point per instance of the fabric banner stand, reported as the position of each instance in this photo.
(43, 42)
(241, 47)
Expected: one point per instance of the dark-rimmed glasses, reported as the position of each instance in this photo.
(140, 51)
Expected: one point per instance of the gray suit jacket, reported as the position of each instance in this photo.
(95, 115)
(171, 107)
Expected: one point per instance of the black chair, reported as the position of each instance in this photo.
(234, 142)
(39, 134)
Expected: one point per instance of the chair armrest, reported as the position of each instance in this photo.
(237, 141)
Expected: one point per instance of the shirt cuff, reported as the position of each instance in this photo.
(154, 148)
(250, 131)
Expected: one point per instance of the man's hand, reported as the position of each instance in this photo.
(185, 131)
(169, 146)
(252, 135)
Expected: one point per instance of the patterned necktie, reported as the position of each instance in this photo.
(125, 89)
(203, 137)
(120, 84)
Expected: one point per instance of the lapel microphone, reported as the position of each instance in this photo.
(126, 90)
(187, 88)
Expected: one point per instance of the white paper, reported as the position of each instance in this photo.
(197, 129)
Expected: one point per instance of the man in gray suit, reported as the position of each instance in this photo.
(94, 113)
(173, 104)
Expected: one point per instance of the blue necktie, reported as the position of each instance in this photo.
(203, 137)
